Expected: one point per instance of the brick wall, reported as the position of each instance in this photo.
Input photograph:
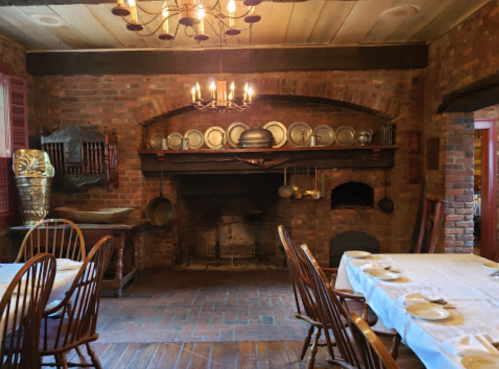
(123, 102)
(464, 55)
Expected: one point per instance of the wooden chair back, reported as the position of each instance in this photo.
(431, 223)
(372, 351)
(299, 277)
(80, 306)
(59, 237)
(332, 313)
(21, 311)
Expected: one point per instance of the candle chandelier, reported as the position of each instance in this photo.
(192, 15)
(221, 100)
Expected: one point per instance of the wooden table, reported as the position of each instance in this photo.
(121, 231)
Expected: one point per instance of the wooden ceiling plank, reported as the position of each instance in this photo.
(445, 21)
(15, 34)
(80, 19)
(359, 22)
(271, 30)
(388, 22)
(428, 11)
(66, 33)
(302, 22)
(25, 24)
(330, 21)
(115, 25)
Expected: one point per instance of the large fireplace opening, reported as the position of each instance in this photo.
(352, 195)
(230, 219)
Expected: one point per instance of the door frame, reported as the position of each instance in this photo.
(488, 127)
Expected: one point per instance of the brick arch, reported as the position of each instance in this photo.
(176, 102)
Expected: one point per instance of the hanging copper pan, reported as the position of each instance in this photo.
(159, 210)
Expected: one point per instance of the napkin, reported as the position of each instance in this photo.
(370, 266)
(413, 298)
(471, 345)
(68, 264)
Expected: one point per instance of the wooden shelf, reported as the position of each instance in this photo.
(270, 150)
(266, 160)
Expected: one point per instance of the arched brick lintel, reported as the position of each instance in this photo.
(160, 107)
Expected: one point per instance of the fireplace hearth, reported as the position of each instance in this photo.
(229, 219)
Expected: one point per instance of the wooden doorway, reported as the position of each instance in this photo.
(488, 130)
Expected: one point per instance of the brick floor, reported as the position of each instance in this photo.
(194, 306)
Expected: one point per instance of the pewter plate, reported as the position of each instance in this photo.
(234, 133)
(175, 141)
(196, 139)
(215, 137)
(325, 135)
(279, 132)
(155, 142)
(345, 136)
(299, 134)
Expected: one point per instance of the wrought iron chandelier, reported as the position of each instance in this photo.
(220, 100)
(192, 15)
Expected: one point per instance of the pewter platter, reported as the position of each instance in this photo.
(234, 132)
(155, 142)
(345, 136)
(325, 135)
(215, 137)
(299, 134)
(279, 132)
(175, 141)
(196, 139)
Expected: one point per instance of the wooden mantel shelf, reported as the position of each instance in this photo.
(266, 160)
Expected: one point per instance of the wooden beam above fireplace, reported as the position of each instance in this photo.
(180, 162)
(234, 60)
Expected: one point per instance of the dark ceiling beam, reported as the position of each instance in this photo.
(71, 2)
(51, 2)
(234, 60)
(476, 96)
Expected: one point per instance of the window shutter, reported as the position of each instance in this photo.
(13, 136)
(18, 113)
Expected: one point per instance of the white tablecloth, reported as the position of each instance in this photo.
(460, 279)
(62, 283)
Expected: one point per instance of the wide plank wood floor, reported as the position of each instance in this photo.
(215, 355)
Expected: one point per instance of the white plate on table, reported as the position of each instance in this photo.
(428, 311)
(383, 275)
(493, 267)
(357, 254)
(480, 362)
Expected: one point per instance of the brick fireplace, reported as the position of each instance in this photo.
(141, 106)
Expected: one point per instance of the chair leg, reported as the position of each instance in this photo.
(394, 350)
(93, 357)
(64, 361)
(306, 343)
(83, 360)
(313, 350)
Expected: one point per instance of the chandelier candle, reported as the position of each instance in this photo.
(191, 14)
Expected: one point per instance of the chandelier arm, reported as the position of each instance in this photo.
(159, 11)
(225, 24)
(192, 34)
(221, 37)
(222, 15)
(149, 21)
